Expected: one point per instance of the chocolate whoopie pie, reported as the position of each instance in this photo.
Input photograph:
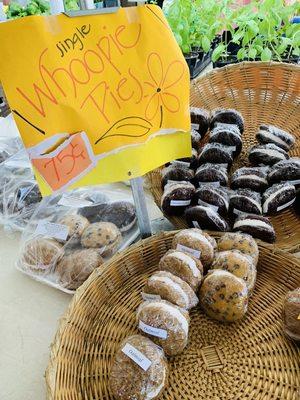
(267, 154)
(176, 197)
(245, 201)
(176, 172)
(286, 170)
(196, 139)
(278, 197)
(227, 116)
(211, 173)
(277, 136)
(205, 217)
(200, 120)
(216, 153)
(191, 161)
(120, 213)
(257, 226)
(254, 178)
(212, 195)
(227, 134)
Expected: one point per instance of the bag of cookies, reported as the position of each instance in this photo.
(71, 234)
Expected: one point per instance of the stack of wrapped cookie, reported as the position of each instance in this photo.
(201, 188)
(220, 275)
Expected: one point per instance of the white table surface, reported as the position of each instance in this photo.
(29, 314)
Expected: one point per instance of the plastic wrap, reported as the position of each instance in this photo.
(205, 217)
(277, 136)
(257, 226)
(60, 232)
(210, 194)
(200, 120)
(227, 116)
(286, 170)
(223, 296)
(10, 141)
(254, 178)
(266, 154)
(228, 135)
(177, 171)
(239, 264)
(212, 173)
(239, 241)
(166, 324)
(196, 139)
(186, 266)
(167, 286)
(291, 315)
(191, 162)
(278, 198)
(217, 153)
(139, 370)
(176, 197)
(245, 201)
(195, 242)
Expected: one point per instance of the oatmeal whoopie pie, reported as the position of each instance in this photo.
(254, 178)
(211, 173)
(257, 226)
(278, 197)
(227, 116)
(291, 312)
(216, 196)
(266, 154)
(171, 288)
(104, 236)
(245, 201)
(166, 324)
(176, 172)
(223, 296)
(176, 197)
(227, 134)
(130, 379)
(200, 120)
(75, 223)
(216, 153)
(205, 217)
(196, 139)
(239, 241)
(275, 135)
(286, 170)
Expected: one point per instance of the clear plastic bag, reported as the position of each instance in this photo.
(291, 315)
(69, 235)
(10, 141)
(217, 153)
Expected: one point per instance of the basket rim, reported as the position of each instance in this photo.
(51, 370)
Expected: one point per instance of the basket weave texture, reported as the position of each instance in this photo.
(250, 359)
(266, 93)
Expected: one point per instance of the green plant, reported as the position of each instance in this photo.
(71, 5)
(34, 7)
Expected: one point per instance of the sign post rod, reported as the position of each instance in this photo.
(141, 206)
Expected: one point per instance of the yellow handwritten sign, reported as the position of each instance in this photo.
(98, 98)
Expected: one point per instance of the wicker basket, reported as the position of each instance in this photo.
(263, 93)
(251, 359)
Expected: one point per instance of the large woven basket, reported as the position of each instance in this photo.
(264, 93)
(251, 359)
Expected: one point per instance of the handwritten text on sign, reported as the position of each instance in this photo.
(89, 89)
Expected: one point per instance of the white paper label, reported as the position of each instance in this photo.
(136, 356)
(150, 297)
(196, 224)
(238, 212)
(231, 148)
(56, 231)
(203, 203)
(195, 126)
(295, 182)
(209, 183)
(178, 203)
(286, 205)
(185, 249)
(160, 333)
(183, 164)
(73, 202)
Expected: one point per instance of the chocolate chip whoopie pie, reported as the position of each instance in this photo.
(176, 197)
(228, 135)
(278, 197)
(176, 172)
(245, 201)
(216, 153)
(257, 226)
(213, 195)
(227, 116)
(254, 178)
(200, 120)
(275, 135)
(266, 154)
(286, 170)
(211, 173)
(205, 217)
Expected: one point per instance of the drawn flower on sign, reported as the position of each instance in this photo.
(162, 80)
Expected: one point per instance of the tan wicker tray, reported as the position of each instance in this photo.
(263, 93)
(251, 359)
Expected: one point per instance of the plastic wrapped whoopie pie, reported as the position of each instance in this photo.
(217, 153)
(244, 201)
(211, 194)
(200, 120)
(257, 226)
(196, 139)
(266, 154)
(286, 170)
(254, 178)
(227, 116)
(177, 171)
(212, 173)
(228, 135)
(278, 197)
(205, 217)
(176, 197)
(275, 135)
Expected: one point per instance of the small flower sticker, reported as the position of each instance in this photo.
(161, 83)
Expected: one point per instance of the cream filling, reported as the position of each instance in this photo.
(189, 261)
(249, 199)
(272, 136)
(252, 222)
(272, 197)
(220, 129)
(199, 236)
(251, 176)
(271, 153)
(151, 394)
(174, 285)
(173, 311)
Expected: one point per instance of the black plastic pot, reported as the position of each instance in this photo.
(191, 60)
(222, 63)
(197, 65)
(111, 3)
